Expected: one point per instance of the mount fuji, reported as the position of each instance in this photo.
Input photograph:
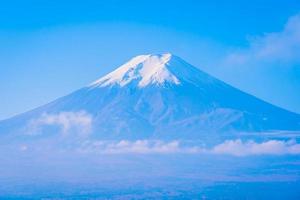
(153, 96)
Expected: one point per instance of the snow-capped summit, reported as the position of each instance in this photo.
(151, 69)
(144, 69)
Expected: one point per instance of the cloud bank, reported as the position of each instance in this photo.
(229, 147)
(136, 147)
(271, 147)
(76, 121)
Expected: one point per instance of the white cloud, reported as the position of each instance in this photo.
(137, 147)
(229, 147)
(271, 147)
(77, 121)
(283, 47)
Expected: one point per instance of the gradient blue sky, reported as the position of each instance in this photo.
(50, 48)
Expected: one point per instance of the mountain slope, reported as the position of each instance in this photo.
(158, 96)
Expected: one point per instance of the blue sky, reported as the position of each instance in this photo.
(50, 48)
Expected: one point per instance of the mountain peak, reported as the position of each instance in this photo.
(144, 70)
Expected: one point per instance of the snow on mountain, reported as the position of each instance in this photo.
(152, 69)
(146, 69)
(154, 96)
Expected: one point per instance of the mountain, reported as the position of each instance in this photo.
(153, 96)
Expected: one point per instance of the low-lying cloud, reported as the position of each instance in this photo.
(229, 147)
(139, 147)
(271, 147)
(76, 121)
